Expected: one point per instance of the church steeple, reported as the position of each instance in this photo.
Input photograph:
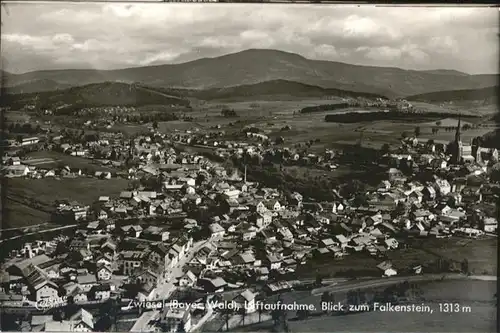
(457, 145)
(457, 133)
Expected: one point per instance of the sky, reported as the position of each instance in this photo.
(38, 36)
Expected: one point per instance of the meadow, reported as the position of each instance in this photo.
(51, 159)
(272, 116)
(481, 255)
(30, 201)
(20, 215)
(82, 189)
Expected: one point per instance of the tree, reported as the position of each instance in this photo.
(352, 187)
(465, 266)
(319, 279)
(438, 123)
(385, 149)
(417, 131)
(228, 113)
(155, 125)
(156, 158)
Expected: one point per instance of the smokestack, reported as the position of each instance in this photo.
(245, 174)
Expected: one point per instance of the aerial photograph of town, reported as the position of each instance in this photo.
(248, 168)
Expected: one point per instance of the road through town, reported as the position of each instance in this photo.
(165, 288)
(167, 284)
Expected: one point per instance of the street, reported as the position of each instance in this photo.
(167, 284)
(165, 288)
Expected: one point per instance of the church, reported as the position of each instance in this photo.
(460, 152)
(465, 153)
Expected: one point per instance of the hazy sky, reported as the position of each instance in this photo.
(106, 36)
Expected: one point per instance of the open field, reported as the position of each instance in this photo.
(312, 126)
(20, 215)
(179, 125)
(466, 135)
(329, 266)
(263, 107)
(48, 159)
(25, 193)
(481, 254)
(84, 190)
(464, 108)
(17, 116)
(395, 129)
(306, 172)
(272, 116)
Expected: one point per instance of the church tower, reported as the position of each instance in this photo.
(457, 145)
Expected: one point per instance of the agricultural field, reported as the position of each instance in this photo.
(83, 189)
(307, 172)
(328, 266)
(272, 116)
(47, 159)
(17, 116)
(26, 195)
(263, 107)
(464, 107)
(20, 215)
(481, 255)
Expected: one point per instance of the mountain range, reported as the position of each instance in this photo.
(485, 94)
(256, 66)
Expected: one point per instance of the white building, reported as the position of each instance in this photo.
(46, 289)
(490, 224)
(216, 230)
(176, 320)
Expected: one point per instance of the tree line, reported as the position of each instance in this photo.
(25, 128)
(354, 117)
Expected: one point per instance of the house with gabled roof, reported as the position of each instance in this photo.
(212, 285)
(243, 259)
(188, 279)
(273, 205)
(132, 261)
(109, 246)
(155, 233)
(344, 241)
(159, 254)
(105, 259)
(127, 195)
(74, 290)
(132, 230)
(44, 289)
(391, 243)
(147, 276)
(86, 281)
(244, 300)
(387, 269)
(216, 230)
(258, 207)
(104, 272)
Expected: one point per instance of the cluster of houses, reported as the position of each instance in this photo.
(251, 234)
